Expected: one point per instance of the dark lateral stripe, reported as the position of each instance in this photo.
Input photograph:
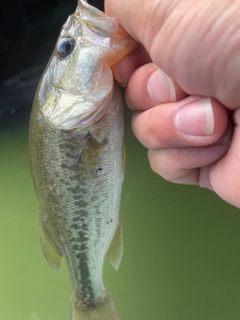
(80, 251)
(86, 285)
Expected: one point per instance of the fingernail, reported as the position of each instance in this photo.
(160, 87)
(196, 118)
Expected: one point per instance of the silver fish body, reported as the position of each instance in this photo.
(79, 192)
(77, 157)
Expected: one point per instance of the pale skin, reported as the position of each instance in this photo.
(190, 119)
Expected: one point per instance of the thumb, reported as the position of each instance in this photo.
(195, 42)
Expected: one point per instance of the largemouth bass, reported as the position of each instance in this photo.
(77, 154)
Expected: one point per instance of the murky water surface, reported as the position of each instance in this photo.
(181, 245)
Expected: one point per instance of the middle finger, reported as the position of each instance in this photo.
(149, 86)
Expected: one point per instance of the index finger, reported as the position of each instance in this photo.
(135, 15)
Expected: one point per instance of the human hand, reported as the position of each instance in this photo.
(190, 119)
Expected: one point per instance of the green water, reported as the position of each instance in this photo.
(182, 245)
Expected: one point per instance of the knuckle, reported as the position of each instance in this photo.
(154, 161)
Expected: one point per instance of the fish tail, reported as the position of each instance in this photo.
(104, 310)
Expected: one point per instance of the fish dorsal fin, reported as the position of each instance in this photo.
(115, 250)
(51, 254)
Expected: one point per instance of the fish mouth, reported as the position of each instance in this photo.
(98, 112)
(71, 111)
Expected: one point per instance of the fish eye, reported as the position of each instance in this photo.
(65, 47)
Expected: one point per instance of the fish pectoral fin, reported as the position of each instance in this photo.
(89, 157)
(115, 250)
(52, 255)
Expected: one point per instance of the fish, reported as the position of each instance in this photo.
(76, 154)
